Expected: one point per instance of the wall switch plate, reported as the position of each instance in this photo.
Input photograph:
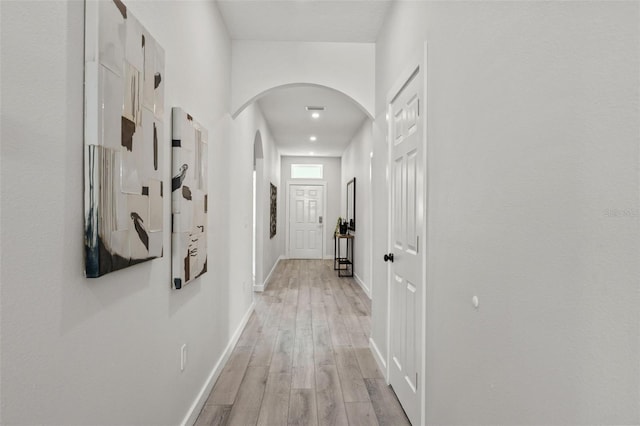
(183, 356)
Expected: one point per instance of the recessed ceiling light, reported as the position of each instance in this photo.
(315, 115)
(313, 138)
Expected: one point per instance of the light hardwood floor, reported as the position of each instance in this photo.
(303, 357)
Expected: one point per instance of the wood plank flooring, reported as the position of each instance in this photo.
(303, 357)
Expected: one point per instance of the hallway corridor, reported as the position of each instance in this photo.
(304, 358)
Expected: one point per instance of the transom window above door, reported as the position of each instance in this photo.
(307, 171)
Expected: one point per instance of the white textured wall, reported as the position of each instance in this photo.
(103, 351)
(245, 126)
(356, 160)
(258, 66)
(240, 206)
(274, 247)
(332, 170)
(533, 135)
(379, 238)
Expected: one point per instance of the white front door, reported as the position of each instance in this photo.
(407, 220)
(305, 221)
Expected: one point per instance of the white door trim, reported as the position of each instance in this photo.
(370, 206)
(306, 182)
(417, 63)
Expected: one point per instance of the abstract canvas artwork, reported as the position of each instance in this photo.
(188, 198)
(124, 98)
(273, 224)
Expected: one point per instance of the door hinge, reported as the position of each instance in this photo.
(417, 243)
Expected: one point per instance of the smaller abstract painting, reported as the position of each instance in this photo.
(188, 198)
(273, 222)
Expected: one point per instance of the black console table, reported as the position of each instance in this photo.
(343, 264)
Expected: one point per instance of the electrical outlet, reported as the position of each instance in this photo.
(183, 356)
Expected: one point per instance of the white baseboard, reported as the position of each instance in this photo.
(378, 357)
(261, 287)
(192, 415)
(362, 285)
(328, 257)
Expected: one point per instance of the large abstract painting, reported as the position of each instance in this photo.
(273, 219)
(188, 198)
(124, 98)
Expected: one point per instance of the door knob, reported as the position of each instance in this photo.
(388, 257)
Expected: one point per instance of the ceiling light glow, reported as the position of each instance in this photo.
(315, 115)
(313, 138)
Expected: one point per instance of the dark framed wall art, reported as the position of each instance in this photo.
(351, 204)
(273, 220)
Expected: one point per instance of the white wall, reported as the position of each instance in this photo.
(79, 351)
(258, 66)
(245, 126)
(532, 113)
(356, 161)
(379, 240)
(332, 170)
(274, 247)
(240, 205)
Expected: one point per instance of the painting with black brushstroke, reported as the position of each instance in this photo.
(124, 108)
(274, 212)
(190, 167)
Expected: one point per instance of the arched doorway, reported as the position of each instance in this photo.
(282, 116)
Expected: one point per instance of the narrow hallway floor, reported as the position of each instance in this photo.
(304, 358)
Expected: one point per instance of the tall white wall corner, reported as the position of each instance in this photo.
(362, 285)
(382, 363)
(263, 286)
(259, 66)
(192, 415)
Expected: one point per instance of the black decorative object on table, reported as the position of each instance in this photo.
(343, 227)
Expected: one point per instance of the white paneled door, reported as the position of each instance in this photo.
(405, 257)
(305, 221)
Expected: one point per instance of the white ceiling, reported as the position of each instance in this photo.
(292, 125)
(357, 21)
